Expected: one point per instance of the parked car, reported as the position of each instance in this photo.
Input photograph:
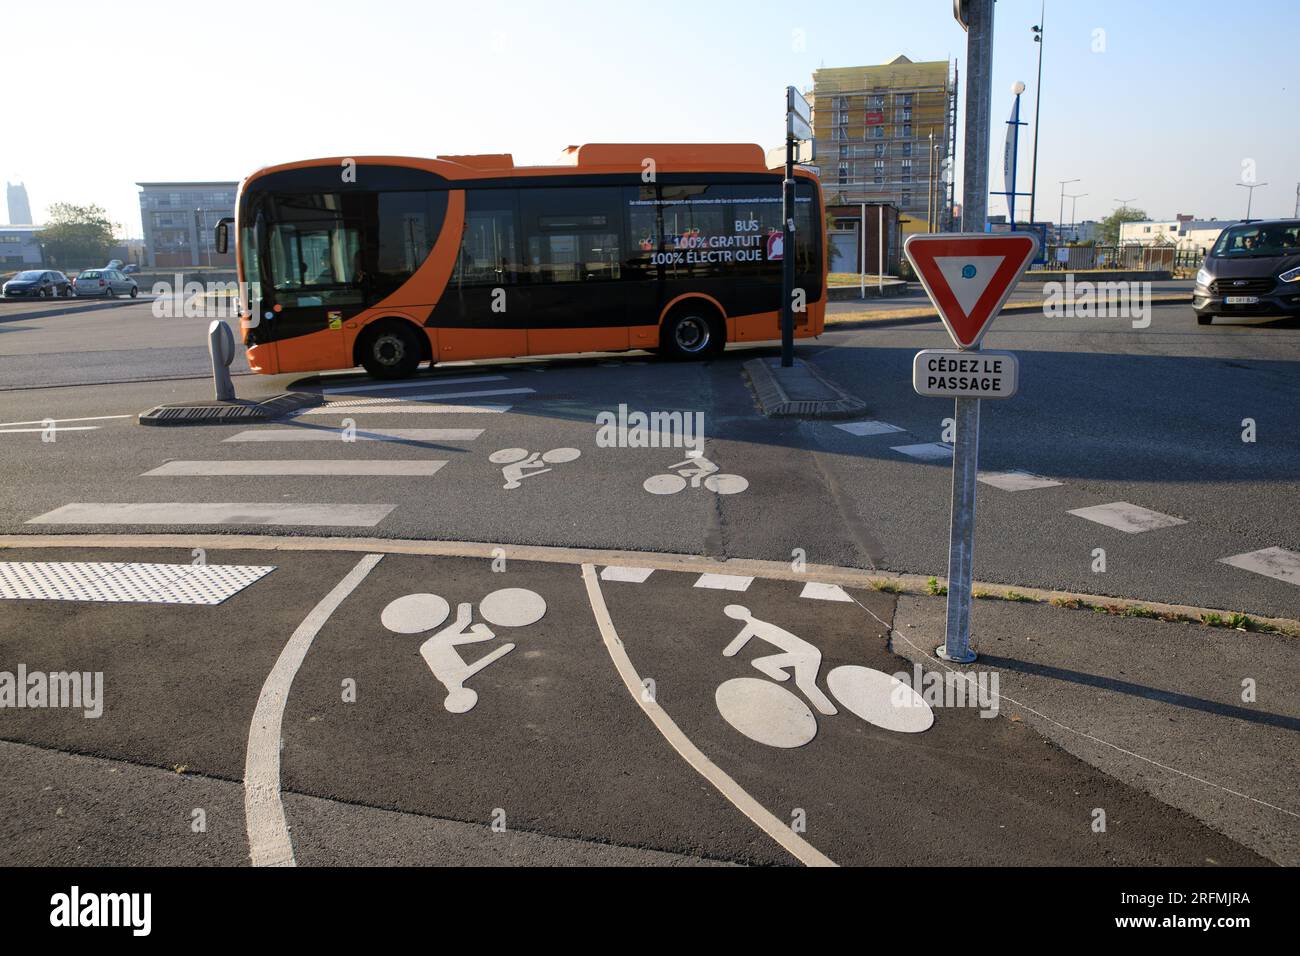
(106, 282)
(130, 270)
(38, 283)
(1252, 269)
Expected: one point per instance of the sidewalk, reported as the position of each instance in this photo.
(1154, 704)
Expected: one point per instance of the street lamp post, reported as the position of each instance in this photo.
(1061, 214)
(1074, 209)
(1038, 100)
(1250, 196)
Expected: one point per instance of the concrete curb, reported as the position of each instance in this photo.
(862, 320)
(662, 561)
(772, 387)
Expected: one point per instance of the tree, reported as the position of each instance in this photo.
(1108, 231)
(76, 235)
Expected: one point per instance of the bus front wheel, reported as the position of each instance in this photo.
(390, 350)
(692, 333)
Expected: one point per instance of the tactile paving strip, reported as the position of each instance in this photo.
(125, 582)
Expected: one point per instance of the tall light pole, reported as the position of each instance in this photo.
(1119, 227)
(1038, 102)
(1074, 209)
(1250, 195)
(1061, 215)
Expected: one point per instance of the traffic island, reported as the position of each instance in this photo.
(232, 412)
(799, 391)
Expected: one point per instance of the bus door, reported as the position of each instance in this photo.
(483, 312)
(572, 282)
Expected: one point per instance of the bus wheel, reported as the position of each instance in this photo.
(691, 333)
(390, 350)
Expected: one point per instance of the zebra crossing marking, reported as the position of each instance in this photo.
(1126, 517)
(315, 433)
(1016, 480)
(867, 429)
(215, 513)
(724, 582)
(278, 468)
(927, 451)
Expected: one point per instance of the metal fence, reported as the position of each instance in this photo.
(1129, 258)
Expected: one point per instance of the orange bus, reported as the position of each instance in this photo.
(389, 262)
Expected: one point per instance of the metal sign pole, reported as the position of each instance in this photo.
(787, 262)
(961, 541)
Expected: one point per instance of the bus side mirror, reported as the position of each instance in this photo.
(223, 236)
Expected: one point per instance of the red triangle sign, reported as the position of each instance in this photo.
(969, 276)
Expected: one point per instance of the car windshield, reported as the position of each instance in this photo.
(88, 275)
(28, 275)
(1259, 240)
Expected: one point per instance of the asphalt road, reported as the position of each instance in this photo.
(562, 738)
(1152, 417)
(553, 759)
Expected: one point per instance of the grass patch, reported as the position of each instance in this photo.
(886, 587)
(1018, 598)
(934, 588)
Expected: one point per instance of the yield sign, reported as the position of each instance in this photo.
(969, 276)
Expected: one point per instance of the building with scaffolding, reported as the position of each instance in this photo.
(886, 135)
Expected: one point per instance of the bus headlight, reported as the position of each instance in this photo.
(1291, 275)
(1203, 278)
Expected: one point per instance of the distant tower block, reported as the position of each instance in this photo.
(20, 209)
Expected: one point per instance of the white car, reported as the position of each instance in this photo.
(109, 283)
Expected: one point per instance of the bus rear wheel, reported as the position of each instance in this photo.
(692, 332)
(390, 350)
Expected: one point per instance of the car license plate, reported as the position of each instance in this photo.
(1242, 300)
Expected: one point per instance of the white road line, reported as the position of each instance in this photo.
(1129, 518)
(824, 592)
(370, 434)
(412, 383)
(866, 429)
(1016, 480)
(407, 410)
(57, 421)
(724, 582)
(198, 512)
(125, 582)
(340, 468)
(774, 827)
(53, 431)
(268, 830)
(1276, 563)
(630, 575)
(431, 397)
(929, 451)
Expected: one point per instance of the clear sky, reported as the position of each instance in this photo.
(1181, 95)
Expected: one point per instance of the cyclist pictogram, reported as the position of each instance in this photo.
(417, 613)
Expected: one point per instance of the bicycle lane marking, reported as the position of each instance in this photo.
(268, 831)
(800, 848)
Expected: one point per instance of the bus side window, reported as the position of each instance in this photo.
(573, 233)
(488, 248)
